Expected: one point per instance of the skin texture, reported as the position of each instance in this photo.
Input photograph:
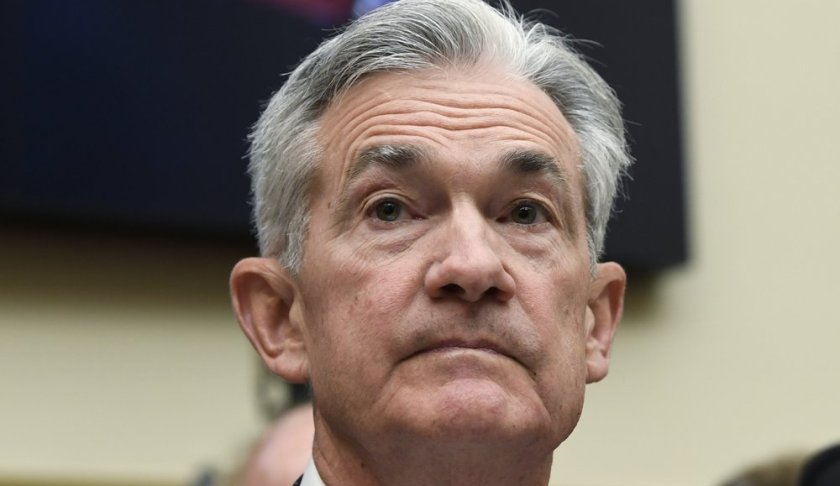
(445, 312)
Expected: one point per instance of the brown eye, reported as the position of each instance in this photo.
(388, 210)
(525, 213)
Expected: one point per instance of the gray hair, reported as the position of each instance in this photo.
(412, 35)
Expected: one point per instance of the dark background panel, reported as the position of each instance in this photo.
(131, 116)
(135, 113)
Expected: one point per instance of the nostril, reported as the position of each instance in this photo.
(453, 289)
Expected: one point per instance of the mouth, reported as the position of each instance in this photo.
(457, 344)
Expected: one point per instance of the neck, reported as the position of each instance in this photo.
(413, 461)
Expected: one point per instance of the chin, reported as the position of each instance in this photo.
(478, 410)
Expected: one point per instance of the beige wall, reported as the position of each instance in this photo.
(120, 358)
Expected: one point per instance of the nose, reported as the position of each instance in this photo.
(469, 266)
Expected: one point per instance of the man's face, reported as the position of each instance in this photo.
(446, 276)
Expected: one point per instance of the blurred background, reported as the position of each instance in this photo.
(123, 208)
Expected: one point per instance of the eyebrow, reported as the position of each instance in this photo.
(400, 157)
(393, 157)
(531, 162)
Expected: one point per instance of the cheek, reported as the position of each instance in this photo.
(556, 302)
(555, 295)
(352, 311)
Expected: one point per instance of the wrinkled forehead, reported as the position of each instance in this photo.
(473, 110)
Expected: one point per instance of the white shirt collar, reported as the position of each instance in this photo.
(311, 476)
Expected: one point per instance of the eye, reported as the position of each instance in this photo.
(388, 210)
(527, 212)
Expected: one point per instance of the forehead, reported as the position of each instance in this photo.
(459, 116)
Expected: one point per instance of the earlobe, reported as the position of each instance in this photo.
(606, 304)
(267, 304)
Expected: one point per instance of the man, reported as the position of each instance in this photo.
(431, 190)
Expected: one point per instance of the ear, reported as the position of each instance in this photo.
(268, 306)
(606, 304)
